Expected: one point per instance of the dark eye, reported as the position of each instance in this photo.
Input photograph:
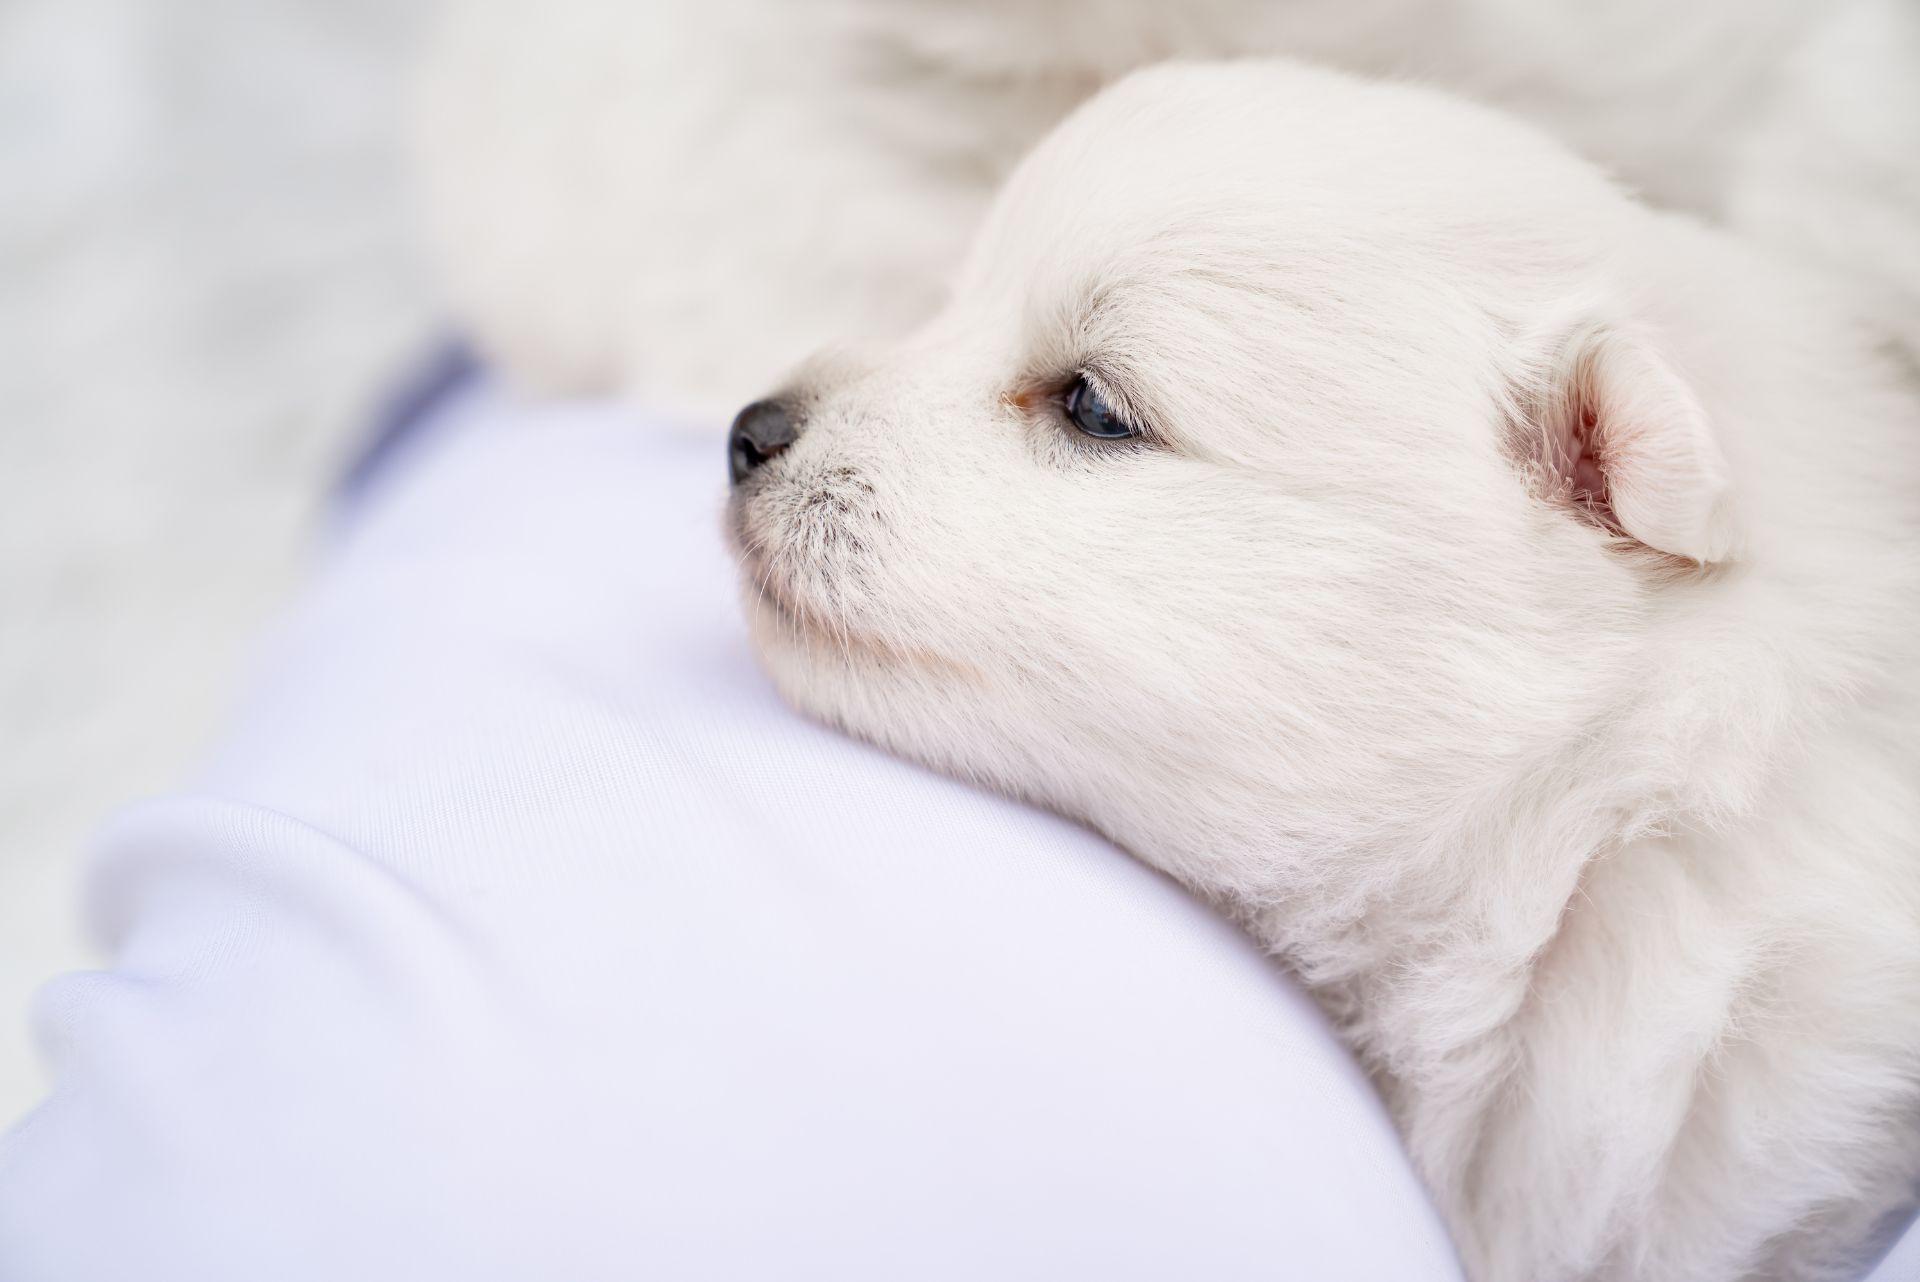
(1089, 412)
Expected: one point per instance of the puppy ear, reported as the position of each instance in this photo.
(1621, 436)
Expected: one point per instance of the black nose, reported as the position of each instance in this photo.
(760, 431)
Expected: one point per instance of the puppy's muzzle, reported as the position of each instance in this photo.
(761, 431)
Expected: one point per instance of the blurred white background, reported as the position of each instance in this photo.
(207, 278)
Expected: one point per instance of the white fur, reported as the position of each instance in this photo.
(683, 197)
(1593, 824)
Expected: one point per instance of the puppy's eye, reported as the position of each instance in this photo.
(1088, 410)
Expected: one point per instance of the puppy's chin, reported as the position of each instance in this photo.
(831, 676)
(790, 605)
(832, 666)
(775, 620)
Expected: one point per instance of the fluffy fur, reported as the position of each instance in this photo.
(1508, 614)
(681, 198)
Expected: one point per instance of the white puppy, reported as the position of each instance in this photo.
(1498, 595)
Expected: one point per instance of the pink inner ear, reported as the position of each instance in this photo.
(1586, 477)
(1574, 463)
(1625, 443)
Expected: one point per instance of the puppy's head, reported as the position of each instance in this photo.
(1285, 477)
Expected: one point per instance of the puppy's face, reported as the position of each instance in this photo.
(1201, 513)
